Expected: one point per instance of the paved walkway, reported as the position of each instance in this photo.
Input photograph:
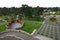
(50, 30)
(11, 37)
(18, 34)
(42, 37)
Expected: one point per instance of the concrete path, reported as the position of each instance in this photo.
(18, 34)
(42, 37)
(50, 30)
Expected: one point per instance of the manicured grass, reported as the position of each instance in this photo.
(2, 27)
(33, 19)
(7, 18)
(1, 21)
(30, 26)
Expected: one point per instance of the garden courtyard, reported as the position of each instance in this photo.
(29, 25)
(48, 27)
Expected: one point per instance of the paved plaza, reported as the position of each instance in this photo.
(51, 30)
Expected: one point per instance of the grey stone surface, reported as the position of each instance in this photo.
(18, 34)
(50, 30)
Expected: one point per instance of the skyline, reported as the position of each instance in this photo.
(33, 3)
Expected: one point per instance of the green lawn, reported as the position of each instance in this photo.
(1, 21)
(7, 18)
(2, 27)
(33, 19)
(30, 26)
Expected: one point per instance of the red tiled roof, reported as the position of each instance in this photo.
(10, 23)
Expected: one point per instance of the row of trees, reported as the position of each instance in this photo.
(26, 10)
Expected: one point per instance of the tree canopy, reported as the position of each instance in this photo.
(26, 10)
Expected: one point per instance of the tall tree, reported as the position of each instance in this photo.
(27, 11)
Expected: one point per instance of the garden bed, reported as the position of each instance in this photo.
(53, 20)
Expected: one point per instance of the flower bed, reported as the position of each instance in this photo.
(52, 19)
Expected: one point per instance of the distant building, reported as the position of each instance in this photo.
(48, 11)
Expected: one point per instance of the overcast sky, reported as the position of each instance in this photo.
(33, 3)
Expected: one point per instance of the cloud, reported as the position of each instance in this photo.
(34, 3)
